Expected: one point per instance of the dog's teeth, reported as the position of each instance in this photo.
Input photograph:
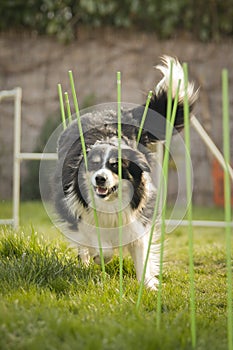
(102, 190)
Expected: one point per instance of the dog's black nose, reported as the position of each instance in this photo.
(100, 180)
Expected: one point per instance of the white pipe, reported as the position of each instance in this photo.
(17, 94)
(37, 156)
(198, 223)
(211, 145)
(18, 156)
(16, 164)
(7, 222)
(8, 94)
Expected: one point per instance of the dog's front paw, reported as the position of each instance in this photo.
(152, 283)
(97, 259)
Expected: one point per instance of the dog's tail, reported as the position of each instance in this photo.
(155, 122)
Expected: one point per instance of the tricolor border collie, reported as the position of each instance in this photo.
(81, 190)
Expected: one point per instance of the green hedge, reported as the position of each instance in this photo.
(206, 20)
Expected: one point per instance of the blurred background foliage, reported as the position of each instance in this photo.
(204, 20)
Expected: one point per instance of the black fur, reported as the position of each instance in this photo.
(101, 126)
(73, 199)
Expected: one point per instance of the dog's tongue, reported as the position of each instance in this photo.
(102, 190)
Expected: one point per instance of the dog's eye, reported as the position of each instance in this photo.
(113, 163)
(94, 162)
(95, 159)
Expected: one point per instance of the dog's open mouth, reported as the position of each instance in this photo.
(104, 192)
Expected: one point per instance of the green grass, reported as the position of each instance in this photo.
(49, 300)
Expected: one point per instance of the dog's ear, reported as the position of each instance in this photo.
(72, 174)
(141, 162)
(137, 161)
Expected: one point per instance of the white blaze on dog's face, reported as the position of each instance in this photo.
(103, 173)
(103, 180)
(105, 183)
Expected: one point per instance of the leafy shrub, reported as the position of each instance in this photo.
(210, 19)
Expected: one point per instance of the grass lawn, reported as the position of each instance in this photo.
(49, 301)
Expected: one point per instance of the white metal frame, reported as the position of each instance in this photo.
(17, 95)
(19, 156)
(218, 155)
(211, 145)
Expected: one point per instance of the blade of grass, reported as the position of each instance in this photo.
(67, 102)
(227, 204)
(86, 167)
(120, 180)
(63, 116)
(144, 116)
(189, 208)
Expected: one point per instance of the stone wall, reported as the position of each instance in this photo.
(37, 64)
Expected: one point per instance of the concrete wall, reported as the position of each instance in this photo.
(37, 64)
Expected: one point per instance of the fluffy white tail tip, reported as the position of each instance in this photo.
(177, 74)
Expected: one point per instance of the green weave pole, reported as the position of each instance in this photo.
(189, 209)
(156, 209)
(227, 204)
(63, 116)
(67, 103)
(86, 167)
(170, 119)
(120, 221)
(144, 116)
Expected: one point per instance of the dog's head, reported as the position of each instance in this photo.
(103, 167)
(103, 176)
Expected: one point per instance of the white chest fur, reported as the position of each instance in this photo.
(107, 232)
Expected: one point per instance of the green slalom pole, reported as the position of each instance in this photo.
(189, 209)
(227, 204)
(120, 221)
(86, 167)
(63, 116)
